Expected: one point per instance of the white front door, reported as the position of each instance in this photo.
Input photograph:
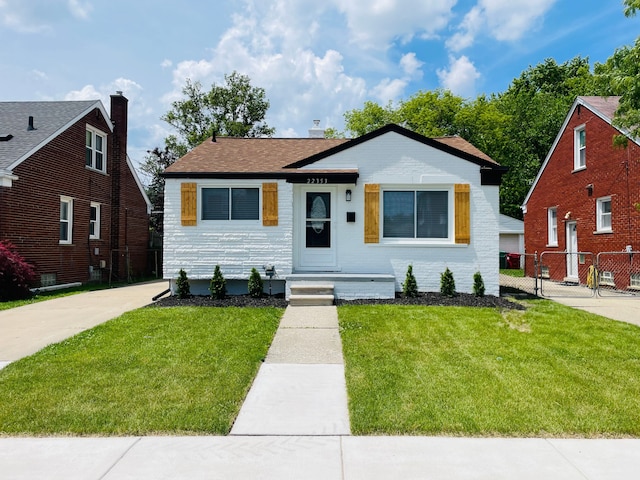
(572, 250)
(317, 228)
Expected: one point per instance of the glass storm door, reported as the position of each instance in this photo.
(317, 241)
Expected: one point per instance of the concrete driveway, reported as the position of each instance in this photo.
(25, 330)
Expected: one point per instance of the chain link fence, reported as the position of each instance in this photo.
(572, 274)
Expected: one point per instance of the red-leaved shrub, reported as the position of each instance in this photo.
(16, 275)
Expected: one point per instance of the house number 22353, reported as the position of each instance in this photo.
(317, 180)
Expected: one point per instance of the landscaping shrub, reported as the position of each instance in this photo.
(410, 286)
(255, 284)
(182, 284)
(218, 286)
(478, 285)
(447, 284)
(16, 274)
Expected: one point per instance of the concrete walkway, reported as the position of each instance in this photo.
(300, 389)
(293, 425)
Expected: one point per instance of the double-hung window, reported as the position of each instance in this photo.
(420, 214)
(552, 227)
(94, 221)
(96, 150)
(66, 220)
(603, 214)
(230, 204)
(580, 148)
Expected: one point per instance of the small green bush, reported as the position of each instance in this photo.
(218, 285)
(182, 284)
(447, 284)
(478, 285)
(255, 284)
(410, 286)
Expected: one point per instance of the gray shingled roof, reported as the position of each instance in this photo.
(49, 119)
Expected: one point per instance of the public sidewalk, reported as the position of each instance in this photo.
(293, 425)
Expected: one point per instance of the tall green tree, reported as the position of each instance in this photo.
(234, 109)
(371, 117)
(620, 75)
(536, 104)
(155, 162)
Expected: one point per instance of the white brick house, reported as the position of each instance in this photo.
(354, 213)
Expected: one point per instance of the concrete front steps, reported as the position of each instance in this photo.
(309, 294)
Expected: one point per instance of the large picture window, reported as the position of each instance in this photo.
(230, 204)
(416, 214)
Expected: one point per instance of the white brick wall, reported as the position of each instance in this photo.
(235, 246)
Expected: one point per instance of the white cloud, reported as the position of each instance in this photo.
(377, 23)
(389, 90)
(80, 9)
(88, 92)
(166, 63)
(504, 20)
(411, 65)
(18, 16)
(459, 77)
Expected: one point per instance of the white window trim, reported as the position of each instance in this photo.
(599, 227)
(94, 132)
(96, 229)
(231, 221)
(576, 148)
(552, 241)
(450, 240)
(607, 278)
(69, 202)
(634, 281)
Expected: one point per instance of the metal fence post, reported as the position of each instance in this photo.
(535, 272)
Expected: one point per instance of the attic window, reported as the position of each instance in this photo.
(5, 137)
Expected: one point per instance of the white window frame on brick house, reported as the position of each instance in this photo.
(96, 149)
(94, 221)
(215, 212)
(66, 220)
(552, 227)
(579, 148)
(390, 235)
(603, 215)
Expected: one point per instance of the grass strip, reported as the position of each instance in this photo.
(551, 371)
(150, 371)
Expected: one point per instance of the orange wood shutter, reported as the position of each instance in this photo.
(462, 213)
(371, 213)
(270, 204)
(189, 204)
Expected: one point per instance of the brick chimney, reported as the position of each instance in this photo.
(119, 106)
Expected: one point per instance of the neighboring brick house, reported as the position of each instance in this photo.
(350, 213)
(70, 199)
(586, 198)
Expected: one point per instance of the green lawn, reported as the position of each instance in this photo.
(513, 272)
(150, 371)
(552, 371)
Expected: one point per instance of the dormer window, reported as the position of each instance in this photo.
(580, 148)
(96, 150)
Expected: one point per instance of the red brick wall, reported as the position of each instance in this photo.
(613, 172)
(30, 209)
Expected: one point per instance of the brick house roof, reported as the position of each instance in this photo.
(49, 120)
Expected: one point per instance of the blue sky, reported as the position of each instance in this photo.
(316, 59)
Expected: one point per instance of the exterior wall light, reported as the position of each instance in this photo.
(348, 195)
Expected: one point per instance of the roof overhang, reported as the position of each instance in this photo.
(318, 177)
(492, 175)
(7, 178)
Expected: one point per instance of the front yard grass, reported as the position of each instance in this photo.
(151, 371)
(550, 371)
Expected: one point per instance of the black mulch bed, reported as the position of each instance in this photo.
(428, 298)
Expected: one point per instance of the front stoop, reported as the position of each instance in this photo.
(311, 295)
